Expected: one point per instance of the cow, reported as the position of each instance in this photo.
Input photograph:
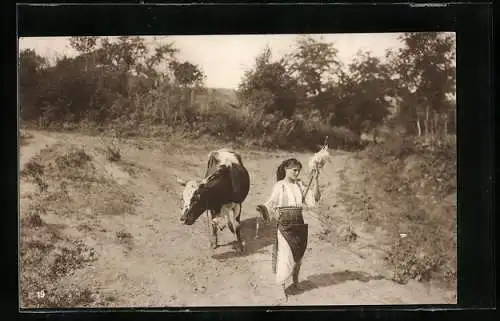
(220, 193)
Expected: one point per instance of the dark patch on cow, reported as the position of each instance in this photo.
(226, 183)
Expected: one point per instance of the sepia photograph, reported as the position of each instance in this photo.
(237, 170)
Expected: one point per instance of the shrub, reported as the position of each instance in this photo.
(417, 177)
(425, 254)
(32, 168)
(309, 134)
(73, 159)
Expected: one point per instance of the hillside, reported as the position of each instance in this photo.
(222, 96)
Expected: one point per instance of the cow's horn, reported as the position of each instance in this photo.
(181, 181)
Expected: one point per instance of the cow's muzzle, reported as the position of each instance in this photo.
(184, 219)
(183, 216)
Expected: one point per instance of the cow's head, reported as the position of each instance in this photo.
(194, 200)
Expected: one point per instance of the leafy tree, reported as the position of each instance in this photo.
(31, 66)
(85, 46)
(160, 61)
(269, 87)
(188, 76)
(186, 73)
(67, 94)
(31, 70)
(124, 80)
(124, 55)
(316, 67)
(364, 105)
(426, 75)
(314, 63)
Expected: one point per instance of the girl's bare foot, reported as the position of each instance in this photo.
(281, 296)
(294, 288)
(285, 295)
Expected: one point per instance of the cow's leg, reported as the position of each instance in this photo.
(212, 229)
(209, 222)
(257, 226)
(236, 216)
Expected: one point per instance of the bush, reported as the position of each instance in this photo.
(423, 255)
(33, 168)
(75, 158)
(417, 177)
(271, 131)
(221, 122)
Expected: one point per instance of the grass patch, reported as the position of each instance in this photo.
(408, 186)
(46, 256)
(24, 138)
(123, 235)
(74, 183)
(77, 186)
(126, 239)
(113, 153)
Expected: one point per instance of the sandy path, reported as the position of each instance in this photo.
(171, 265)
(35, 145)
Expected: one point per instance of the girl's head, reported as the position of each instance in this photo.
(289, 168)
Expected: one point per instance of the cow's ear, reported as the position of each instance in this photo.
(201, 183)
(181, 181)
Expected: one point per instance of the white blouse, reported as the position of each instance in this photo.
(285, 193)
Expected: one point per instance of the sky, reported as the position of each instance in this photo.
(224, 58)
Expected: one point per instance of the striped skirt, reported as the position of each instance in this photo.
(290, 242)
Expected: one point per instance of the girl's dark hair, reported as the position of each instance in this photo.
(280, 173)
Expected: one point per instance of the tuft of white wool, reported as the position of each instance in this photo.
(320, 159)
(226, 157)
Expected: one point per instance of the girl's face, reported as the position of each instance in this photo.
(292, 172)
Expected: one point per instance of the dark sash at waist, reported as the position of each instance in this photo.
(292, 227)
(290, 215)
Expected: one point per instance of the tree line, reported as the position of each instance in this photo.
(292, 100)
(410, 88)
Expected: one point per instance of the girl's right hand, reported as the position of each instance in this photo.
(264, 214)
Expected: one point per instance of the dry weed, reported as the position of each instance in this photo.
(46, 256)
(407, 182)
(24, 137)
(77, 184)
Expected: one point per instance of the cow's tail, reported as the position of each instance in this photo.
(211, 165)
(238, 217)
(230, 226)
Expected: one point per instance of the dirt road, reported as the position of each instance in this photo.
(168, 264)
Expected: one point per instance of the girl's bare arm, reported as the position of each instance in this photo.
(272, 201)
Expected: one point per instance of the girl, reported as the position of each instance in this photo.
(288, 198)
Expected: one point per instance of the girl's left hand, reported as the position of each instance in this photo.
(317, 195)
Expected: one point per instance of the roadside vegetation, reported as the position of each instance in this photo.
(68, 184)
